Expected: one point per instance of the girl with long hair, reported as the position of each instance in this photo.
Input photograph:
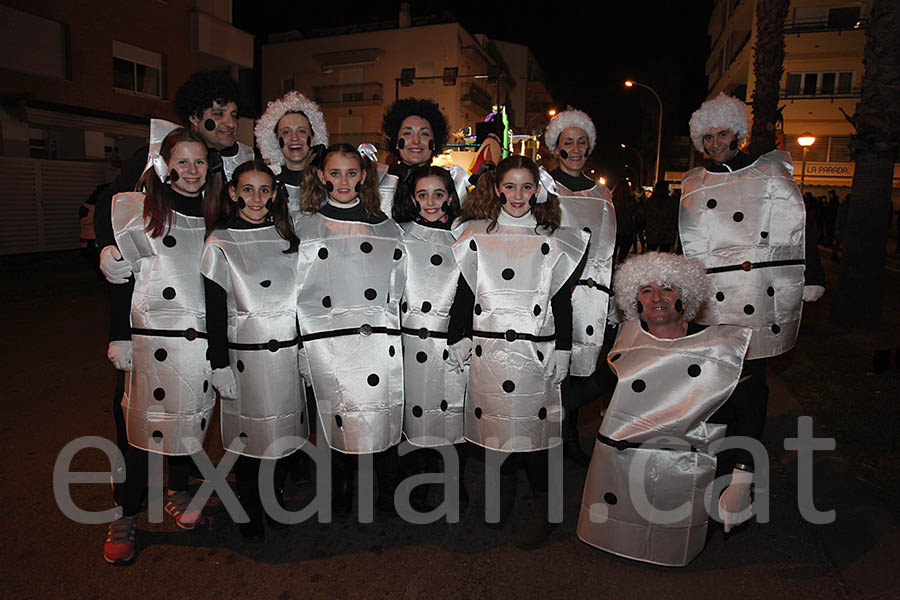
(513, 313)
(158, 329)
(249, 276)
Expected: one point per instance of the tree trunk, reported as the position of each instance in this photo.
(874, 149)
(768, 66)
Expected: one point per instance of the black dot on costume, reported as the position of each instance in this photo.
(509, 387)
(478, 350)
(694, 370)
(323, 253)
(770, 291)
(444, 405)
(436, 259)
(373, 379)
(720, 296)
(738, 217)
(473, 246)
(587, 230)
(169, 293)
(160, 355)
(370, 294)
(417, 411)
(610, 498)
(157, 436)
(398, 254)
(536, 310)
(159, 393)
(391, 351)
(202, 424)
(748, 309)
(540, 356)
(776, 329)
(477, 309)
(169, 241)
(763, 234)
(711, 203)
(338, 420)
(421, 357)
(589, 329)
(326, 301)
(615, 357)
(205, 385)
(446, 354)
(365, 247)
(266, 283)
(478, 412)
(545, 248)
(240, 366)
(426, 307)
(404, 306)
(542, 414)
(638, 385)
(508, 274)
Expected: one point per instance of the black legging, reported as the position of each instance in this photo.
(535, 464)
(136, 472)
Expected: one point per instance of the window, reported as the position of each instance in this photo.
(34, 45)
(845, 83)
(137, 70)
(843, 18)
(823, 84)
(828, 83)
(809, 83)
(793, 84)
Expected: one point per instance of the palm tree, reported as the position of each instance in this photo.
(874, 149)
(768, 66)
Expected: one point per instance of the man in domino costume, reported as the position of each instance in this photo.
(586, 204)
(286, 144)
(652, 462)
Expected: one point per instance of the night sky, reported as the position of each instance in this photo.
(587, 52)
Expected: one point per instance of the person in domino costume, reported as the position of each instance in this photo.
(673, 380)
(250, 281)
(158, 328)
(287, 134)
(571, 136)
(512, 317)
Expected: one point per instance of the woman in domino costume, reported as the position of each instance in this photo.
(249, 275)
(158, 328)
(287, 135)
(513, 312)
(434, 391)
(352, 272)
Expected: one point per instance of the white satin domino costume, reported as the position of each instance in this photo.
(591, 209)
(667, 390)
(514, 273)
(434, 393)
(747, 228)
(168, 397)
(260, 280)
(351, 279)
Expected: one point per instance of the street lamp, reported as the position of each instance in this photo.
(552, 112)
(632, 83)
(640, 158)
(806, 139)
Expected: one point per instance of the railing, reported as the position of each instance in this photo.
(819, 25)
(350, 93)
(799, 95)
(472, 93)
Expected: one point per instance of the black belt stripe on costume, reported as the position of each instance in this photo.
(747, 265)
(424, 333)
(593, 284)
(271, 345)
(625, 444)
(365, 330)
(511, 335)
(190, 333)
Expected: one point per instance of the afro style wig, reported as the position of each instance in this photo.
(407, 107)
(202, 89)
(722, 111)
(686, 274)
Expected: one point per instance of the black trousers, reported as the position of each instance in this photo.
(136, 472)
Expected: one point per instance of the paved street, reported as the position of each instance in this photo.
(59, 387)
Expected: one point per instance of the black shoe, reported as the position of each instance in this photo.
(253, 531)
(572, 450)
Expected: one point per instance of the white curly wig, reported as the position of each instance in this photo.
(721, 111)
(687, 274)
(570, 118)
(264, 131)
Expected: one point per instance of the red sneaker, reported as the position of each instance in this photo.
(177, 506)
(119, 547)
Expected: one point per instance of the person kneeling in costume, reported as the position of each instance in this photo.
(652, 461)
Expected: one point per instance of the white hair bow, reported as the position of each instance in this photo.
(159, 129)
(369, 151)
(548, 186)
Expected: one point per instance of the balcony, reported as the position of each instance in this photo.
(220, 40)
(351, 94)
(819, 95)
(476, 96)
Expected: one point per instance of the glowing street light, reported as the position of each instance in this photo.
(806, 139)
(632, 83)
(552, 112)
(601, 180)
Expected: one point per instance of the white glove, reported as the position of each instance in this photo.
(558, 366)
(223, 380)
(734, 503)
(459, 354)
(811, 293)
(120, 354)
(303, 365)
(115, 268)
